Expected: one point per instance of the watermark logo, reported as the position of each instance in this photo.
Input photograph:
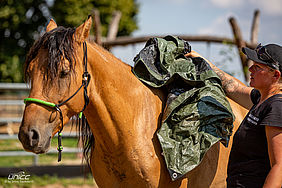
(19, 177)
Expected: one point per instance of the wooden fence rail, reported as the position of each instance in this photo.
(123, 41)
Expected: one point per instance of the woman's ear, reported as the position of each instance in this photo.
(277, 74)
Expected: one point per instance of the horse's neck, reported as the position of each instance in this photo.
(121, 108)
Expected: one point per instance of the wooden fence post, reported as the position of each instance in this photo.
(239, 43)
(238, 39)
(254, 37)
(113, 27)
(97, 26)
(255, 27)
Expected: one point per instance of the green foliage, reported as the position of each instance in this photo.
(226, 59)
(71, 13)
(23, 21)
(76, 11)
(129, 9)
(227, 53)
(20, 23)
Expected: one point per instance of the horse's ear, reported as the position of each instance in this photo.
(51, 25)
(82, 32)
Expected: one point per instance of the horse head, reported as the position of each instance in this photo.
(54, 67)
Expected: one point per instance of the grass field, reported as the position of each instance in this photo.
(44, 159)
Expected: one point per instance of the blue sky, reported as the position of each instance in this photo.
(206, 17)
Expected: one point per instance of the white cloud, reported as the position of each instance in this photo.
(227, 3)
(219, 27)
(270, 7)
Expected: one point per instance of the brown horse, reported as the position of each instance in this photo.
(123, 114)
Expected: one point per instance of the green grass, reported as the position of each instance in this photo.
(10, 145)
(15, 145)
(16, 161)
(67, 142)
(44, 159)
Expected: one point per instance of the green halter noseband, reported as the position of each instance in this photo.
(85, 82)
(45, 103)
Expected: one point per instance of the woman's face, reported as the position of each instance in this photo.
(261, 76)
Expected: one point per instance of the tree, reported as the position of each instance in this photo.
(22, 22)
(75, 13)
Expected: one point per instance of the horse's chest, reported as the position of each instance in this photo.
(119, 168)
(115, 165)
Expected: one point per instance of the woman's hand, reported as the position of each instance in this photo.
(193, 54)
(233, 88)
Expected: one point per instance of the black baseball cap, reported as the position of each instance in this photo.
(270, 55)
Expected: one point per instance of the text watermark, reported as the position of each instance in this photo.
(19, 177)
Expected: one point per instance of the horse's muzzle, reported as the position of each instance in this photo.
(33, 141)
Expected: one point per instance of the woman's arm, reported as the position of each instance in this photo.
(234, 89)
(274, 141)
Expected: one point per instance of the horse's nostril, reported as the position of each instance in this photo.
(33, 137)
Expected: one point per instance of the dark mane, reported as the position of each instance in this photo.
(59, 44)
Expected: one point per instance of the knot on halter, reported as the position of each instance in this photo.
(85, 78)
(60, 148)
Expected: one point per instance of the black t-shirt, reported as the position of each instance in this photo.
(249, 162)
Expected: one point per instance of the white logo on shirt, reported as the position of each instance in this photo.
(252, 119)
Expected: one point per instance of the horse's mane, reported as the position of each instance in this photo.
(59, 44)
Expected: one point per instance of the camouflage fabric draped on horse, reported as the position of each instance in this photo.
(197, 113)
(123, 114)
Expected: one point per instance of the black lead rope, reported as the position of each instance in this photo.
(85, 83)
(60, 147)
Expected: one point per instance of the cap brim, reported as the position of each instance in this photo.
(252, 54)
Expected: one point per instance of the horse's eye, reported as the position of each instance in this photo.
(64, 73)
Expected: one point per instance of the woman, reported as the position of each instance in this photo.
(256, 155)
